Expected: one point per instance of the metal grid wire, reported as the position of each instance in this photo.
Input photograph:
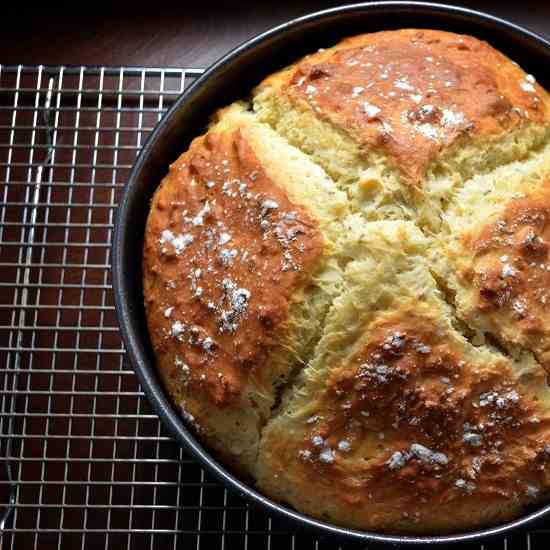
(86, 463)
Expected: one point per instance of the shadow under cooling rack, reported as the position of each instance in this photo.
(86, 463)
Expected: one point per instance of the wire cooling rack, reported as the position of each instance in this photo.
(86, 463)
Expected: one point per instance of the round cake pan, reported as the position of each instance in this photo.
(231, 78)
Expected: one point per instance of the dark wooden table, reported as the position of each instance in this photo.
(192, 34)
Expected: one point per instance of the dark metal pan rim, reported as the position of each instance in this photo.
(130, 311)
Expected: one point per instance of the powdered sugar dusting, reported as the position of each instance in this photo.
(427, 130)
(423, 454)
(527, 86)
(451, 118)
(179, 242)
(371, 110)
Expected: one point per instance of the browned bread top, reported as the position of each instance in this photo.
(509, 271)
(412, 93)
(228, 258)
(453, 440)
(232, 248)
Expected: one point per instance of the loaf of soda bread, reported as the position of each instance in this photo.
(347, 284)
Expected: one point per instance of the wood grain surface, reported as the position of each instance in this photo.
(170, 34)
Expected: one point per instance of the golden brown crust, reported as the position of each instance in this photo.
(412, 93)
(410, 429)
(224, 251)
(510, 271)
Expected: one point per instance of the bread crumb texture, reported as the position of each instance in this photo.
(347, 284)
